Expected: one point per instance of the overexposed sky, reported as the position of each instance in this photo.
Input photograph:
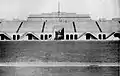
(10, 9)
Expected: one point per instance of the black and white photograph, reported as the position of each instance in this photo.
(59, 37)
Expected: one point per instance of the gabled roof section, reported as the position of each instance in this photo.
(61, 14)
(55, 15)
(31, 26)
(109, 26)
(116, 19)
(9, 26)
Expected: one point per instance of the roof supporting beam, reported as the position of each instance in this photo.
(74, 27)
(19, 27)
(43, 26)
(98, 26)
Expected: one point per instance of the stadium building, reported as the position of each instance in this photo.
(53, 40)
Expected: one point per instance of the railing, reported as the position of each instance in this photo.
(31, 36)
